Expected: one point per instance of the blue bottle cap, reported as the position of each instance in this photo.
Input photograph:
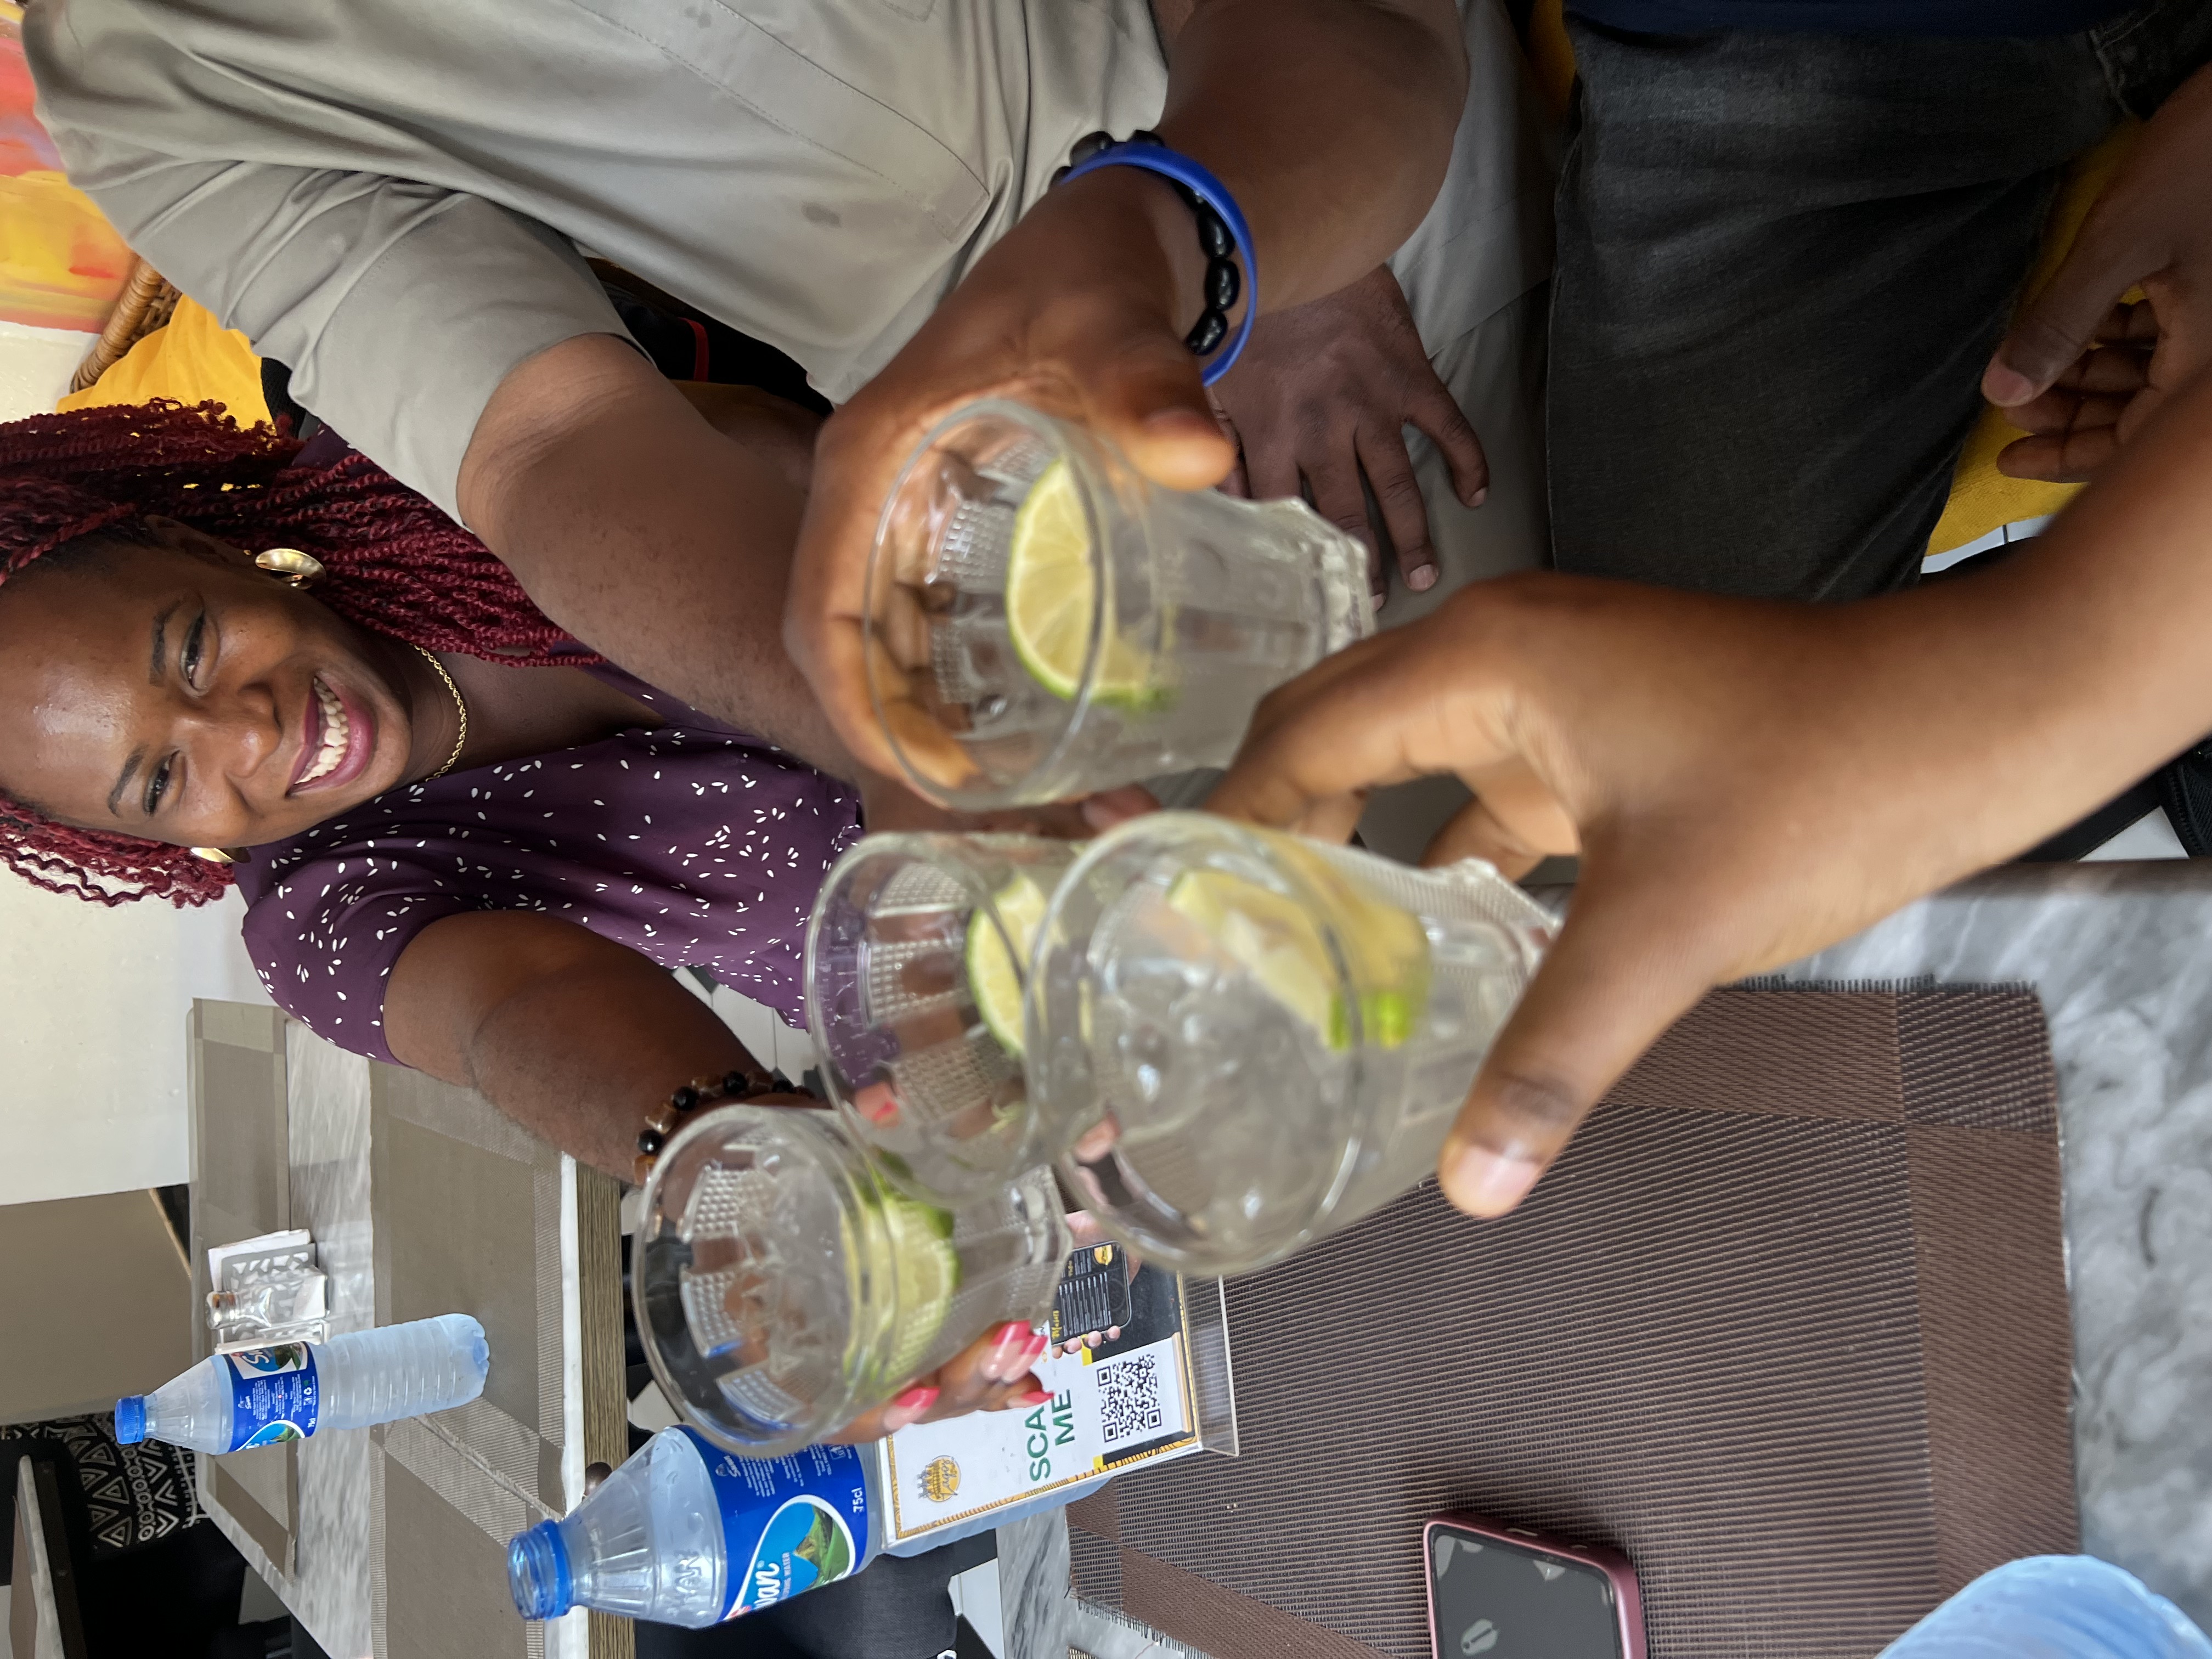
(130, 1420)
(537, 1572)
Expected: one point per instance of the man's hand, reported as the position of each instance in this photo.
(1331, 120)
(1749, 781)
(1324, 393)
(2081, 371)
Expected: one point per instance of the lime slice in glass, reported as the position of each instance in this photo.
(1052, 597)
(1274, 939)
(922, 1270)
(995, 971)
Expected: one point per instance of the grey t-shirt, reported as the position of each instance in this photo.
(388, 196)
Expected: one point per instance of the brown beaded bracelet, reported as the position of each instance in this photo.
(661, 1122)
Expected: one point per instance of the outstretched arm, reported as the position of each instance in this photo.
(576, 1037)
(1748, 782)
(1330, 120)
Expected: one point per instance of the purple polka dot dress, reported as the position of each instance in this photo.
(691, 843)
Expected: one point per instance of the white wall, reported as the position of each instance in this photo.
(93, 1006)
(35, 366)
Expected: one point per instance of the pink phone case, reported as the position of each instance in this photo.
(1627, 1596)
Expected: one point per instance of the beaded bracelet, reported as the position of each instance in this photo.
(1221, 231)
(705, 1090)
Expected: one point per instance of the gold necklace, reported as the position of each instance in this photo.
(460, 707)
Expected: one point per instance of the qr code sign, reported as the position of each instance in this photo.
(1129, 1399)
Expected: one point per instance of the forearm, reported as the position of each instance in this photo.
(1331, 121)
(580, 1060)
(652, 538)
(2079, 667)
(573, 1037)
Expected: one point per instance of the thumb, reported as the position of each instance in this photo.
(1614, 982)
(2057, 325)
(1145, 394)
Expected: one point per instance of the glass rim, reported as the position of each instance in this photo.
(1258, 844)
(1069, 441)
(1013, 1158)
(833, 1154)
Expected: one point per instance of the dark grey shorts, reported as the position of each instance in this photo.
(1783, 262)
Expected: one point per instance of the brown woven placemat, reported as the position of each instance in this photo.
(1787, 1324)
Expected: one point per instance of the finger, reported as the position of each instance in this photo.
(2118, 370)
(1434, 410)
(2060, 457)
(1398, 493)
(1271, 466)
(1617, 977)
(1372, 714)
(908, 1406)
(2069, 411)
(1237, 483)
(1109, 807)
(1000, 1358)
(2058, 324)
(1475, 831)
(1144, 393)
(1333, 478)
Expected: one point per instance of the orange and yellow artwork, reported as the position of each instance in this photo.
(61, 264)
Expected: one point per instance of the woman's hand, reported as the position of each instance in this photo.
(1324, 393)
(2081, 371)
(993, 1373)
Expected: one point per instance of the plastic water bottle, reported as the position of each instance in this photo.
(289, 1392)
(2054, 1606)
(687, 1533)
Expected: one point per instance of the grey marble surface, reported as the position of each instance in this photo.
(328, 1588)
(2120, 955)
(335, 1586)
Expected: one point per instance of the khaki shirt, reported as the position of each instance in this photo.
(389, 196)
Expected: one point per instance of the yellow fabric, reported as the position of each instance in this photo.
(191, 358)
(1982, 498)
(1551, 54)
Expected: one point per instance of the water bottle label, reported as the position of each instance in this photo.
(794, 1522)
(274, 1395)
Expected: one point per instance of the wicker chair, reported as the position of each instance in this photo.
(145, 305)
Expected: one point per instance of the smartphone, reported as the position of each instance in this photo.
(1503, 1592)
(1094, 1293)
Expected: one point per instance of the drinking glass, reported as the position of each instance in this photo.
(916, 959)
(1245, 1040)
(1043, 622)
(783, 1287)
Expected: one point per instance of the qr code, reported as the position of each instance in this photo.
(1129, 1399)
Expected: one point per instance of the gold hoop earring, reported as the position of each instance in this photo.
(289, 565)
(215, 855)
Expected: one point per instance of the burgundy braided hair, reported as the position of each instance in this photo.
(393, 563)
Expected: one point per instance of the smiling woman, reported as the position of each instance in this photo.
(146, 509)
(466, 843)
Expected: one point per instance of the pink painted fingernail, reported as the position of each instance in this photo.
(1032, 1397)
(1008, 1356)
(906, 1407)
